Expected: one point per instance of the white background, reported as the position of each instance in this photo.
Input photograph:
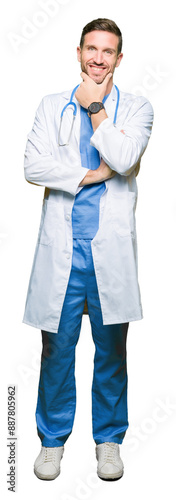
(47, 64)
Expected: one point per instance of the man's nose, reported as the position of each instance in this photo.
(98, 57)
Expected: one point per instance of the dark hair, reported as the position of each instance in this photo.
(102, 24)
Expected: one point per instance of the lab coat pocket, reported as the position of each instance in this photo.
(50, 222)
(123, 207)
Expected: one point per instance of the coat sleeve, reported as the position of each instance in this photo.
(41, 168)
(123, 151)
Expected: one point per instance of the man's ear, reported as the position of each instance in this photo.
(79, 54)
(119, 58)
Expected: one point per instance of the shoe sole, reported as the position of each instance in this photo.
(110, 477)
(46, 478)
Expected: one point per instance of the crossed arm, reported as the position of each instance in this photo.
(102, 173)
(120, 151)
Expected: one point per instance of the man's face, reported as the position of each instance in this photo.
(98, 56)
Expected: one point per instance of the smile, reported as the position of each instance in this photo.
(97, 68)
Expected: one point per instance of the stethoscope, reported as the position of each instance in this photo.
(71, 103)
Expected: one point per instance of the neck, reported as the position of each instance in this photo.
(109, 86)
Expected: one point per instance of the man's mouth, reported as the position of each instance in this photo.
(98, 69)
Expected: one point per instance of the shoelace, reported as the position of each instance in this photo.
(49, 454)
(109, 450)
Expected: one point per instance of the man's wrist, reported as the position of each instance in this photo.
(98, 118)
(95, 107)
(91, 177)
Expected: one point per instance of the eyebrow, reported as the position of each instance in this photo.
(107, 48)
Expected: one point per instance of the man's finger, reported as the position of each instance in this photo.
(84, 76)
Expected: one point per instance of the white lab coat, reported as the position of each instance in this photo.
(59, 170)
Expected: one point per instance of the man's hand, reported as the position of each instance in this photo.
(102, 173)
(89, 91)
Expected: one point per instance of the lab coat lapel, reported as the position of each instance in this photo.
(110, 103)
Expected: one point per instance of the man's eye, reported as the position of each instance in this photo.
(91, 48)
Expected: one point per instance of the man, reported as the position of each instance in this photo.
(85, 149)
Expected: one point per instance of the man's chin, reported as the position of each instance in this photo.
(98, 81)
(97, 78)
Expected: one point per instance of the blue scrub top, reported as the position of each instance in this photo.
(85, 213)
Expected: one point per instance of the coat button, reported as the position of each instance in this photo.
(67, 217)
(68, 255)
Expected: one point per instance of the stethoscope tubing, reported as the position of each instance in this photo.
(72, 103)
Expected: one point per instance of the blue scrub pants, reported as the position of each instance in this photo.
(57, 389)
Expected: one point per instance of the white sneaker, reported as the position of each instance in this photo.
(110, 465)
(47, 464)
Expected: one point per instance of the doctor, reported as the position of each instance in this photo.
(85, 148)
